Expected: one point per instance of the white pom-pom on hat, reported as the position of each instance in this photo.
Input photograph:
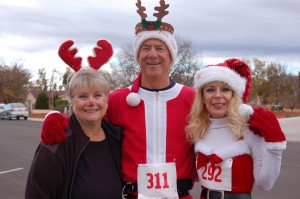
(245, 111)
(133, 98)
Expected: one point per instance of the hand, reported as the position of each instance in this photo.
(53, 130)
(265, 124)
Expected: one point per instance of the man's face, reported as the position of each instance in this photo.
(154, 59)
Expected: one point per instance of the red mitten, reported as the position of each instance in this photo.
(54, 126)
(265, 123)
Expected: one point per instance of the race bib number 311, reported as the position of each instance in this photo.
(157, 181)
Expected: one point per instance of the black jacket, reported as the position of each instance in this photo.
(51, 172)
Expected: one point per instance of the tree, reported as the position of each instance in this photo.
(187, 63)
(298, 91)
(289, 91)
(14, 81)
(41, 82)
(259, 82)
(65, 77)
(125, 69)
(56, 77)
(271, 84)
(42, 101)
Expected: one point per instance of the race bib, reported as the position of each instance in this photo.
(216, 176)
(157, 181)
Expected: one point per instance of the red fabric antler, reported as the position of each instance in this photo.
(68, 55)
(102, 53)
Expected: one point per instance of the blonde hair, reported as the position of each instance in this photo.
(199, 118)
(85, 78)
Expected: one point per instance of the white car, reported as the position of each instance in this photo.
(1, 107)
(14, 110)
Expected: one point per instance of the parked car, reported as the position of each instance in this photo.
(277, 107)
(1, 107)
(14, 110)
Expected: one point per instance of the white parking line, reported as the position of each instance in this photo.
(12, 170)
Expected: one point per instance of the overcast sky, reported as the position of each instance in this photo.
(32, 30)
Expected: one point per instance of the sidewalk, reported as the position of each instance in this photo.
(291, 128)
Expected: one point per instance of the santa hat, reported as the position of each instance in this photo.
(233, 72)
(151, 30)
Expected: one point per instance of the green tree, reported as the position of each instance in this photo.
(60, 105)
(42, 101)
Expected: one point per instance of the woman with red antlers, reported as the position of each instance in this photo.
(80, 166)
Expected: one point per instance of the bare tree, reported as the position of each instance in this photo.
(289, 91)
(125, 69)
(187, 62)
(14, 81)
(41, 82)
(260, 84)
(271, 84)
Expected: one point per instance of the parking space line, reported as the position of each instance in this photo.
(12, 170)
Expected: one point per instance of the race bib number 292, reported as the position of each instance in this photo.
(217, 176)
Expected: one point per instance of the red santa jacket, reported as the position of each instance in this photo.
(154, 130)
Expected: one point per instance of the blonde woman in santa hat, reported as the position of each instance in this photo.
(87, 163)
(231, 155)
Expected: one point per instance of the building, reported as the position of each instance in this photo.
(32, 95)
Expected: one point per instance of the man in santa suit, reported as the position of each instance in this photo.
(157, 159)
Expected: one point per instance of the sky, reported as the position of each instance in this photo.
(32, 30)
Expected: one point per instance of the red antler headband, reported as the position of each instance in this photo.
(102, 53)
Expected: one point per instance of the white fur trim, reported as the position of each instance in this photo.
(201, 146)
(245, 111)
(276, 145)
(51, 112)
(162, 35)
(239, 147)
(133, 99)
(221, 74)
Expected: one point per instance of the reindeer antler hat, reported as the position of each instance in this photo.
(151, 30)
(102, 53)
(155, 30)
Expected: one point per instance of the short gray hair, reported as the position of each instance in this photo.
(87, 78)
